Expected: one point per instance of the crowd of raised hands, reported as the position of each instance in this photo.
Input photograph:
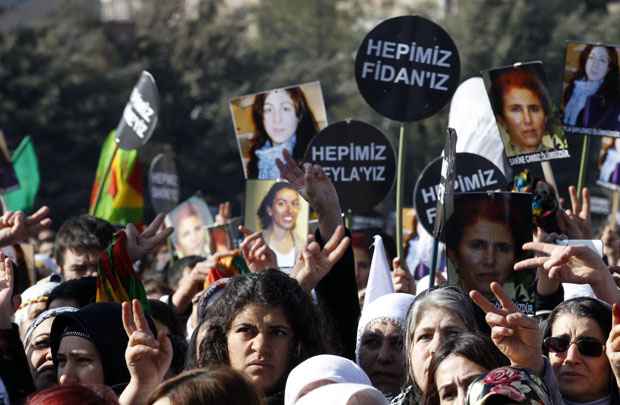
(272, 336)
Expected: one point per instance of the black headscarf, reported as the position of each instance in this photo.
(102, 324)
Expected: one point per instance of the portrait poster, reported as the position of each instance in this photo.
(221, 238)
(608, 164)
(277, 209)
(266, 123)
(484, 239)
(590, 103)
(190, 220)
(527, 120)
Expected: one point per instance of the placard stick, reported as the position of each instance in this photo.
(583, 164)
(549, 177)
(615, 204)
(400, 169)
(431, 275)
(102, 184)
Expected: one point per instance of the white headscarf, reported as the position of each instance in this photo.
(393, 307)
(335, 369)
(344, 394)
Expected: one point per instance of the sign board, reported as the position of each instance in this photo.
(140, 114)
(163, 183)
(359, 160)
(407, 68)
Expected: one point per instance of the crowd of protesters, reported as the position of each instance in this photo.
(189, 334)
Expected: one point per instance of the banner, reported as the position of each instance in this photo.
(407, 68)
(359, 160)
(122, 191)
(445, 191)
(27, 170)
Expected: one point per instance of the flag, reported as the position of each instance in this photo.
(27, 170)
(122, 190)
(379, 278)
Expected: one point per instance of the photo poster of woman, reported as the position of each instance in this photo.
(608, 164)
(190, 220)
(267, 123)
(277, 209)
(590, 102)
(484, 239)
(224, 238)
(527, 120)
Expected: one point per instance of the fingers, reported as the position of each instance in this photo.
(128, 323)
(7, 273)
(335, 239)
(534, 262)
(585, 204)
(502, 297)
(396, 263)
(339, 251)
(245, 231)
(482, 302)
(40, 215)
(159, 237)
(574, 200)
(139, 318)
(153, 226)
(540, 247)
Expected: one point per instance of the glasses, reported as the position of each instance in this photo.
(587, 346)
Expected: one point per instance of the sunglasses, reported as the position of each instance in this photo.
(587, 346)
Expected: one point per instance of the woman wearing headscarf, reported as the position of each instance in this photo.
(321, 370)
(508, 385)
(344, 394)
(379, 348)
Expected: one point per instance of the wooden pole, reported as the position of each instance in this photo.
(399, 192)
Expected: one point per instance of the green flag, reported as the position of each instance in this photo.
(27, 170)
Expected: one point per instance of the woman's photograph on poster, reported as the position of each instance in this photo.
(277, 209)
(609, 163)
(269, 122)
(484, 239)
(590, 94)
(190, 220)
(526, 118)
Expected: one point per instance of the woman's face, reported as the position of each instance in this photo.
(453, 376)
(432, 329)
(381, 355)
(191, 236)
(597, 64)
(279, 116)
(573, 368)
(39, 356)
(79, 362)
(485, 253)
(259, 342)
(524, 117)
(284, 209)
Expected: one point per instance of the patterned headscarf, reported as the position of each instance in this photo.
(516, 384)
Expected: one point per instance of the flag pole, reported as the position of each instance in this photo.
(399, 194)
(102, 184)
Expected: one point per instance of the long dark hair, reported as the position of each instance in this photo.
(611, 84)
(306, 128)
(271, 288)
(263, 214)
(474, 347)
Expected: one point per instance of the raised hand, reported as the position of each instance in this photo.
(515, 335)
(315, 187)
(612, 346)
(16, 227)
(576, 221)
(148, 358)
(314, 263)
(401, 279)
(140, 244)
(257, 254)
(6, 292)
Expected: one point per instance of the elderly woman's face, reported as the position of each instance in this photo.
(485, 253)
(524, 117)
(279, 116)
(381, 355)
(39, 356)
(597, 64)
(284, 209)
(79, 362)
(572, 367)
(259, 342)
(191, 236)
(431, 331)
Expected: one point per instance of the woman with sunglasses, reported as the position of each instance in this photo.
(574, 340)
